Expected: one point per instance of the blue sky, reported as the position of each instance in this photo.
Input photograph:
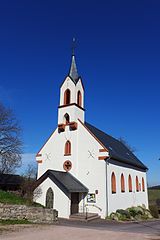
(118, 57)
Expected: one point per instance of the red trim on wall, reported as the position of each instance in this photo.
(122, 183)
(67, 97)
(73, 125)
(102, 157)
(102, 150)
(61, 127)
(67, 148)
(39, 155)
(143, 185)
(39, 161)
(113, 182)
(79, 98)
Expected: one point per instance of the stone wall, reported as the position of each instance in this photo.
(32, 214)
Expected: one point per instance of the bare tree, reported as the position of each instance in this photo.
(10, 141)
(122, 140)
(29, 189)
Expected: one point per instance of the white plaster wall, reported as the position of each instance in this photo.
(79, 87)
(53, 152)
(91, 171)
(74, 112)
(61, 201)
(127, 199)
(68, 84)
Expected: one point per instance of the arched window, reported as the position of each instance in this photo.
(113, 182)
(67, 150)
(79, 98)
(66, 118)
(67, 97)
(143, 186)
(137, 184)
(49, 198)
(122, 183)
(130, 183)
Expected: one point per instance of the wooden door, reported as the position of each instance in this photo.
(74, 203)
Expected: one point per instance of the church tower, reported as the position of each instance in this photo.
(71, 106)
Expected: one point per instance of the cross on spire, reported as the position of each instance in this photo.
(73, 46)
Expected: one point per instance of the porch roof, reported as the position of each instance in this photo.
(63, 180)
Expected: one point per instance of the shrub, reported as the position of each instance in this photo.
(124, 214)
(158, 202)
(134, 211)
(154, 211)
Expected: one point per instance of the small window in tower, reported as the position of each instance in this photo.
(67, 150)
(66, 118)
(79, 98)
(67, 97)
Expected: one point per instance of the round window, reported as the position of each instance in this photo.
(67, 165)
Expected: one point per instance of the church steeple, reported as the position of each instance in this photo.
(71, 106)
(73, 73)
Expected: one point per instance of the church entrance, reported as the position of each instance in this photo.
(74, 203)
(49, 198)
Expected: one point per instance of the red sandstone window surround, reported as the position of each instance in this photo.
(130, 183)
(113, 182)
(137, 184)
(67, 118)
(79, 98)
(67, 97)
(67, 149)
(143, 185)
(122, 183)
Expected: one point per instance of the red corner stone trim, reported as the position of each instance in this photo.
(103, 150)
(39, 155)
(39, 161)
(102, 157)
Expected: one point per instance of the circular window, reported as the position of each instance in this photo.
(67, 165)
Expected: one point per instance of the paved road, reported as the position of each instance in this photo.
(99, 230)
(65, 233)
(146, 227)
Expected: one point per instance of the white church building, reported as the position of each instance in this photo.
(80, 166)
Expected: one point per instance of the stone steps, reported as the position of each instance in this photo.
(84, 217)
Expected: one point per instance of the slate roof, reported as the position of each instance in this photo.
(64, 180)
(117, 150)
(73, 73)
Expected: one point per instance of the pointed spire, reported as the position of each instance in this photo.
(73, 73)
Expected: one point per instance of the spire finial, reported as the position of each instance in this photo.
(73, 45)
(73, 73)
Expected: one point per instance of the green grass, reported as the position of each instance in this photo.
(153, 194)
(11, 198)
(13, 222)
